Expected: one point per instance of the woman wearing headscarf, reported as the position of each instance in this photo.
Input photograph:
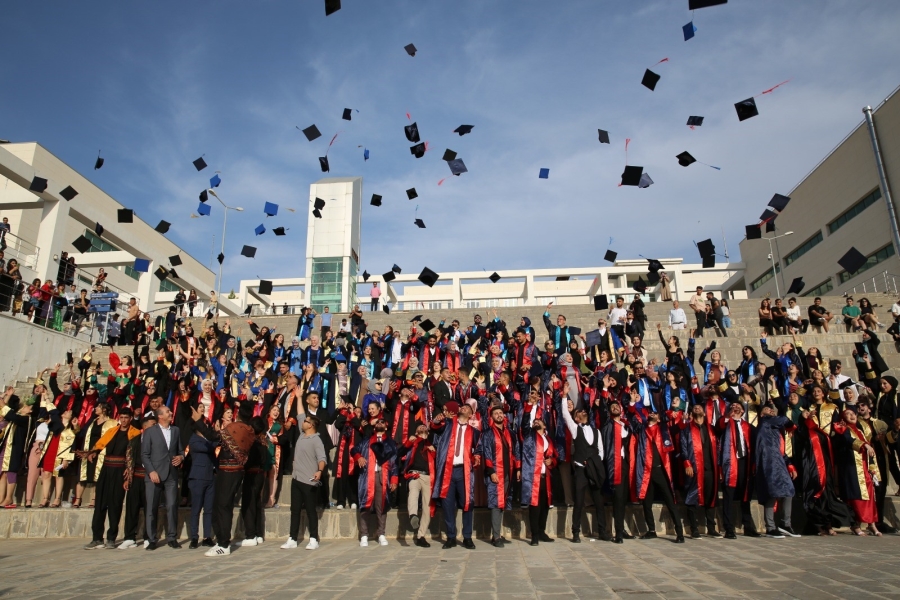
(886, 406)
(14, 428)
(854, 459)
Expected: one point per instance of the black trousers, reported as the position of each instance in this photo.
(227, 483)
(303, 497)
(537, 515)
(110, 495)
(659, 487)
(346, 490)
(582, 486)
(705, 503)
(373, 305)
(251, 504)
(733, 495)
(701, 323)
(135, 500)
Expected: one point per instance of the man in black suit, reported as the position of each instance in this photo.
(443, 390)
(162, 452)
(201, 482)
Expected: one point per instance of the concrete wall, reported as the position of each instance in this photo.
(27, 349)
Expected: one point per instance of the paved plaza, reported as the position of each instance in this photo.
(812, 567)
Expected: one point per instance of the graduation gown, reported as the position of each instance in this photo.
(693, 455)
(852, 464)
(729, 438)
(617, 465)
(773, 465)
(820, 499)
(498, 449)
(445, 444)
(535, 449)
(642, 462)
(383, 454)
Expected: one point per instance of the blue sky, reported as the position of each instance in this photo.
(155, 85)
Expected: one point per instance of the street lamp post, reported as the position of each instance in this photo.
(224, 225)
(774, 271)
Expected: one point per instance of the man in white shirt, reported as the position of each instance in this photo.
(617, 316)
(698, 305)
(589, 470)
(677, 318)
(895, 310)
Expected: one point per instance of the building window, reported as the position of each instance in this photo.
(821, 289)
(544, 301)
(880, 256)
(167, 286)
(508, 302)
(438, 305)
(98, 244)
(491, 303)
(130, 272)
(803, 249)
(764, 278)
(326, 283)
(473, 304)
(854, 210)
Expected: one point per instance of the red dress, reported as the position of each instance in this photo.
(48, 462)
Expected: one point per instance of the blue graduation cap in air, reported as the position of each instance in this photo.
(689, 30)
(141, 265)
(260, 230)
(204, 209)
(365, 154)
(270, 209)
(544, 174)
(215, 181)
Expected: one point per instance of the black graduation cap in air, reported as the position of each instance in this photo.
(248, 251)
(852, 261)
(68, 193)
(706, 248)
(173, 274)
(770, 226)
(449, 155)
(38, 184)
(410, 49)
(601, 302)
(640, 286)
(312, 132)
(376, 200)
(419, 223)
(610, 256)
(317, 213)
(323, 164)
(279, 231)
(650, 80)
(495, 277)
(348, 115)
(653, 277)
(366, 275)
(200, 164)
(319, 203)
(767, 214)
(428, 277)
(175, 261)
(695, 4)
(603, 135)
(163, 227)
(753, 232)
(412, 132)
(82, 244)
(98, 229)
(416, 318)
(746, 109)
(396, 269)
(161, 272)
(685, 159)
(796, 286)
(386, 309)
(411, 193)
(426, 325)
(779, 202)
(709, 261)
(220, 258)
(332, 6)
(645, 181)
(99, 163)
(126, 215)
(632, 175)
(654, 265)
(389, 276)
(265, 287)
(463, 129)
(695, 121)
(204, 196)
(418, 150)
(457, 166)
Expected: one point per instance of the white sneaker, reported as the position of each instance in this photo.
(382, 541)
(259, 540)
(364, 541)
(313, 544)
(146, 543)
(248, 542)
(218, 550)
(290, 544)
(339, 507)
(127, 544)
(353, 506)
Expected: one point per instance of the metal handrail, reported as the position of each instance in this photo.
(23, 251)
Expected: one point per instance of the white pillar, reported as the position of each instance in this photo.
(529, 290)
(51, 237)
(456, 299)
(148, 284)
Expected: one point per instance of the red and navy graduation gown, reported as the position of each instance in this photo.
(499, 449)
(445, 444)
(403, 417)
(642, 462)
(384, 454)
(533, 452)
(693, 455)
(728, 459)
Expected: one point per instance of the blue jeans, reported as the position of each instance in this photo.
(201, 497)
(727, 322)
(456, 497)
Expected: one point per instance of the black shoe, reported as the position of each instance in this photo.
(174, 544)
(881, 526)
(774, 533)
(576, 538)
(789, 531)
(496, 543)
(194, 544)
(450, 543)
(695, 535)
(414, 522)
(422, 543)
(207, 543)
(729, 535)
(543, 537)
(617, 540)
(679, 539)
(650, 535)
(468, 544)
(151, 546)
(751, 533)
(713, 533)
(502, 540)
(533, 543)
(626, 536)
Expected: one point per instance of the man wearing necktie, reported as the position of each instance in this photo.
(455, 440)
(734, 459)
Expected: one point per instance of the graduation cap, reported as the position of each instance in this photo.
(650, 80)
(279, 231)
(248, 251)
(457, 166)
(200, 164)
(653, 277)
(98, 229)
(98, 163)
(767, 214)
(68, 193)
(463, 129)
(410, 49)
(389, 276)
(449, 155)
(271, 209)
(689, 30)
(418, 150)
(317, 203)
(204, 209)
(125, 215)
(695, 4)
(376, 200)
(220, 258)
(173, 274)
(709, 261)
(38, 184)
(685, 159)
(796, 286)
(640, 286)
(426, 325)
(603, 135)
(416, 318)
(82, 244)
(428, 277)
(779, 202)
(645, 181)
(396, 269)
(593, 338)
(175, 260)
(260, 229)
(141, 265)
(161, 272)
(323, 164)
(746, 109)
(632, 175)
(411, 193)
(544, 174)
(412, 132)
(610, 256)
(332, 6)
(654, 265)
(852, 261)
(366, 275)
(214, 181)
(601, 302)
(770, 226)
(317, 213)
(494, 277)
(348, 115)
(753, 232)
(419, 223)
(163, 227)
(204, 196)
(311, 133)
(706, 248)
(386, 309)
(265, 287)
(695, 121)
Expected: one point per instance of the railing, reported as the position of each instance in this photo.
(24, 252)
(889, 284)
